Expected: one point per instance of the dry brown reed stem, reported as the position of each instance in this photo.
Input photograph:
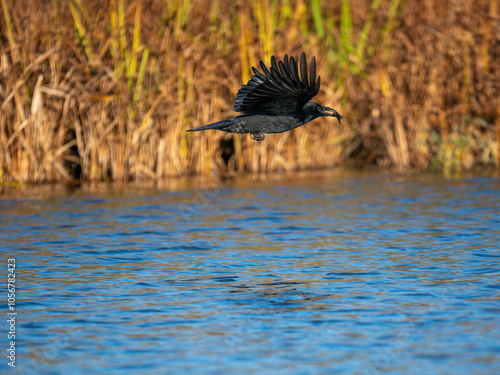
(104, 90)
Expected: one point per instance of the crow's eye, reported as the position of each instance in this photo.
(320, 108)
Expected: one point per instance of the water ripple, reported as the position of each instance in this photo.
(343, 274)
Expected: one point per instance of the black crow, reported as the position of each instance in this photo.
(276, 101)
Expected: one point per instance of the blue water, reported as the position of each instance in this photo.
(315, 274)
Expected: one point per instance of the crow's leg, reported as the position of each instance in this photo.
(257, 136)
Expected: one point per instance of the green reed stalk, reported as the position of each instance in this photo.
(75, 6)
(10, 36)
(318, 20)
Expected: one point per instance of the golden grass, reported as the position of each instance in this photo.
(104, 90)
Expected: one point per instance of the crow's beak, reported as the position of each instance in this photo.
(334, 113)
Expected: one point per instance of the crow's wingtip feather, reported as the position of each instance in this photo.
(283, 88)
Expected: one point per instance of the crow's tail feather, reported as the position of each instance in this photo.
(216, 125)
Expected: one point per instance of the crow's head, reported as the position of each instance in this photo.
(313, 110)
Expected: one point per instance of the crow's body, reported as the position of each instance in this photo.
(254, 124)
(276, 101)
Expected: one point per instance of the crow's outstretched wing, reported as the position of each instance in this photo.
(279, 91)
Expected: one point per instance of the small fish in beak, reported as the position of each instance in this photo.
(334, 114)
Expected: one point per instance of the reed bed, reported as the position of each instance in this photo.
(104, 90)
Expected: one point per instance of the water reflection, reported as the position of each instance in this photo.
(316, 274)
